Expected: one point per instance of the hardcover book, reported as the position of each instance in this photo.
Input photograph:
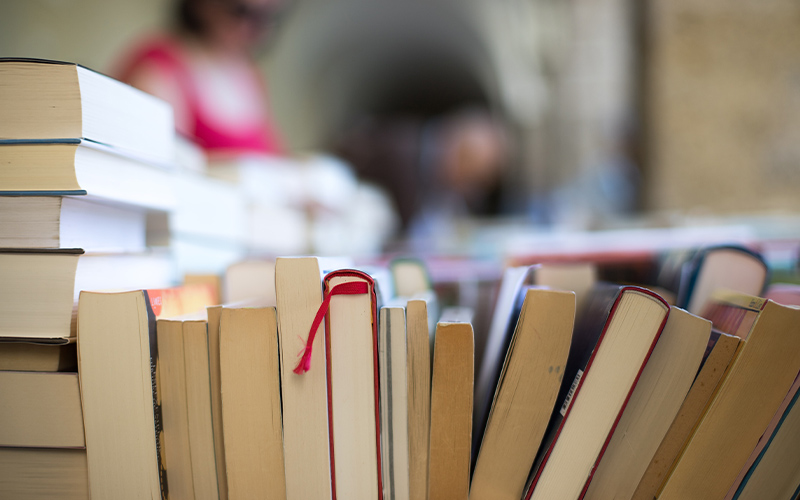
(46, 100)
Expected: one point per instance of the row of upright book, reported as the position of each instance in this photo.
(655, 402)
(330, 394)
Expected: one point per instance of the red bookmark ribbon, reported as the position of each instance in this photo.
(348, 288)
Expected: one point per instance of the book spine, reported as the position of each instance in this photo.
(154, 378)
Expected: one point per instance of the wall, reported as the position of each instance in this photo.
(723, 80)
(89, 32)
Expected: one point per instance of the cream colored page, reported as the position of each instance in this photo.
(763, 373)
(116, 390)
(525, 397)
(174, 411)
(353, 393)
(305, 416)
(451, 412)
(251, 404)
(399, 407)
(656, 400)
(198, 402)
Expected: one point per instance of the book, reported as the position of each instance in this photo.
(526, 393)
(152, 270)
(298, 289)
(251, 404)
(121, 407)
(275, 192)
(199, 409)
(658, 396)
(720, 353)
(184, 388)
(351, 336)
(699, 273)
(451, 411)
(410, 277)
(281, 230)
(776, 471)
(575, 277)
(189, 155)
(784, 293)
(41, 287)
(214, 316)
(208, 212)
(250, 279)
(774, 423)
(37, 294)
(77, 167)
(71, 222)
(578, 277)
(457, 314)
(393, 362)
(211, 282)
(38, 473)
(41, 410)
(46, 100)
(183, 300)
(496, 345)
(35, 357)
(171, 388)
(733, 313)
(419, 397)
(614, 337)
(757, 382)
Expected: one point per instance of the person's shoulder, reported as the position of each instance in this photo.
(160, 50)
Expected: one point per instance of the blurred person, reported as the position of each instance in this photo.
(435, 170)
(606, 190)
(204, 66)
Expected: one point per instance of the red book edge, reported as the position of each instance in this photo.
(583, 378)
(376, 378)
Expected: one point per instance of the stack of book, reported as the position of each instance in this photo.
(85, 162)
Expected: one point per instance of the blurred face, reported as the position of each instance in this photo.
(237, 25)
(474, 152)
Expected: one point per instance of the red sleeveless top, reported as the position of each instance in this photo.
(253, 134)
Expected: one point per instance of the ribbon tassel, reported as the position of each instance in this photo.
(348, 288)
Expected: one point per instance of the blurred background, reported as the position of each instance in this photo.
(592, 112)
